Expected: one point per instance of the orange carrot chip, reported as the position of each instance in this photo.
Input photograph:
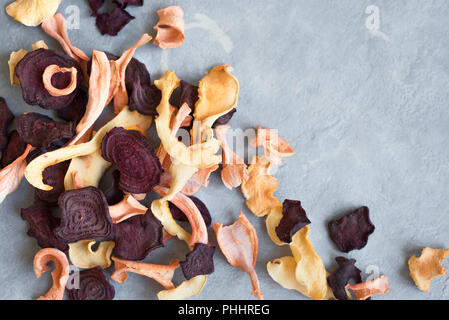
(275, 148)
(170, 28)
(427, 267)
(364, 290)
(125, 209)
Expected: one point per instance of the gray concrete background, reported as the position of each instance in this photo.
(366, 112)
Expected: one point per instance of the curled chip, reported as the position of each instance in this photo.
(294, 218)
(6, 117)
(163, 274)
(352, 230)
(30, 71)
(427, 267)
(136, 237)
(53, 70)
(340, 277)
(275, 148)
(114, 194)
(170, 28)
(16, 146)
(41, 131)
(60, 274)
(53, 176)
(82, 255)
(112, 22)
(11, 175)
(239, 244)
(32, 12)
(128, 207)
(199, 179)
(84, 215)
(365, 290)
(140, 169)
(234, 170)
(180, 216)
(185, 290)
(74, 111)
(14, 59)
(199, 261)
(42, 225)
(259, 188)
(93, 285)
(224, 119)
(274, 217)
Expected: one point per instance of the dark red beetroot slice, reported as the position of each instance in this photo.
(224, 119)
(125, 3)
(112, 22)
(84, 215)
(137, 236)
(352, 230)
(6, 117)
(15, 148)
(95, 5)
(41, 131)
(42, 226)
(114, 194)
(180, 216)
(145, 99)
(53, 176)
(189, 94)
(135, 158)
(75, 111)
(30, 69)
(199, 261)
(340, 278)
(93, 285)
(294, 218)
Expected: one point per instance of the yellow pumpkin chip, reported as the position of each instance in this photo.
(259, 188)
(82, 256)
(39, 45)
(185, 290)
(14, 59)
(32, 12)
(273, 219)
(427, 267)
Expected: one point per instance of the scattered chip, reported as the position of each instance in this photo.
(111, 23)
(180, 216)
(128, 207)
(340, 277)
(82, 255)
(199, 261)
(93, 285)
(294, 218)
(185, 290)
(14, 59)
(16, 146)
(275, 148)
(74, 111)
(427, 267)
(32, 12)
(365, 290)
(170, 28)
(352, 230)
(6, 118)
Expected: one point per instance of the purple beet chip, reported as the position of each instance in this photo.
(340, 278)
(41, 131)
(74, 111)
(15, 148)
(53, 176)
(189, 94)
(199, 261)
(6, 117)
(145, 99)
(224, 119)
(112, 22)
(137, 236)
(125, 3)
(95, 5)
(180, 216)
(352, 230)
(42, 226)
(84, 215)
(135, 158)
(294, 218)
(93, 285)
(114, 194)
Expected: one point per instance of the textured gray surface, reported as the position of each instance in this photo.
(366, 113)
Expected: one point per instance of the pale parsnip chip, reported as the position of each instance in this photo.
(39, 45)
(427, 267)
(60, 274)
(32, 12)
(14, 59)
(125, 209)
(364, 290)
(259, 188)
(283, 270)
(125, 118)
(185, 290)
(170, 28)
(82, 256)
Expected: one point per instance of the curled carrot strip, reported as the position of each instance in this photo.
(364, 290)
(60, 274)
(239, 244)
(126, 209)
(275, 148)
(50, 71)
(161, 273)
(170, 28)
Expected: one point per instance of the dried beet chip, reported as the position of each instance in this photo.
(6, 117)
(114, 194)
(95, 5)
(145, 99)
(15, 148)
(199, 261)
(224, 119)
(112, 22)
(30, 69)
(137, 236)
(42, 226)
(93, 285)
(352, 230)
(53, 176)
(41, 131)
(189, 94)
(135, 158)
(340, 278)
(124, 3)
(84, 215)
(294, 218)
(136, 74)
(180, 216)
(74, 111)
